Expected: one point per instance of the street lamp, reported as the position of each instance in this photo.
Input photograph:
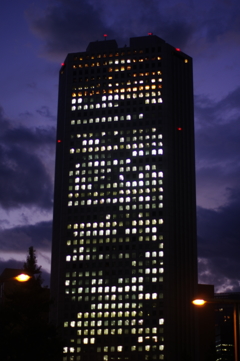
(22, 277)
(199, 302)
(235, 303)
(11, 279)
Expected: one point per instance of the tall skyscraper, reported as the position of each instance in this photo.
(124, 239)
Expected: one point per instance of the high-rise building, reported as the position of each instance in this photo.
(124, 239)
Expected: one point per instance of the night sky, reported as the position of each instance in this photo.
(35, 38)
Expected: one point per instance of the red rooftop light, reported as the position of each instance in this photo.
(177, 49)
(179, 128)
(62, 64)
(59, 141)
(150, 33)
(105, 35)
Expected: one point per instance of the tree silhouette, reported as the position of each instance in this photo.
(30, 266)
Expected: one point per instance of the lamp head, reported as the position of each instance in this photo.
(22, 277)
(199, 302)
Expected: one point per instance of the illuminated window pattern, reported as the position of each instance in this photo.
(114, 100)
(116, 185)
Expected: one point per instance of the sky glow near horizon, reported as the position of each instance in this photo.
(35, 41)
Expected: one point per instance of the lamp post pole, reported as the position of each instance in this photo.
(236, 330)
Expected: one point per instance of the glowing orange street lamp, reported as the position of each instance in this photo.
(199, 302)
(22, 277)
(235, 303)
(11, 279)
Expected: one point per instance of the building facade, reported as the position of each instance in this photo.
(124, 236)
(227, 326)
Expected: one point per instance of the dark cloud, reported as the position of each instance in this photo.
(139, 17)
(45, 112)
(20, 238)
(70, 26)
(209, 272)
(217, 142)
(27, 137)
(24, 179)
(11, 263)
(67, 26)
(219, 243)
(210, 113)
(26, 115)
(222, 17)
(32, 85)
(176, 33)
(217, 151)
(218, 173)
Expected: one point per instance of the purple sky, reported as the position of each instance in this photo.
(36, 37)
